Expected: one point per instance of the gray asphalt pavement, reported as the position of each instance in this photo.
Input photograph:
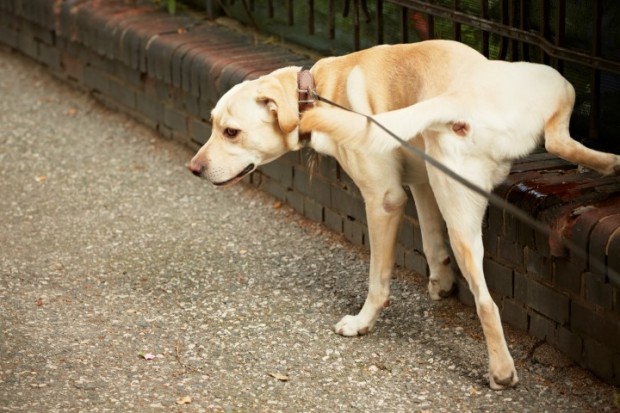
(128, 285)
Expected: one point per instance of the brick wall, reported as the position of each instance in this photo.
(168, 72)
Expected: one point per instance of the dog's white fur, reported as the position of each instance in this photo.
(472, 114)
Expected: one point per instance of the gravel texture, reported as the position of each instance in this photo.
(126, 284)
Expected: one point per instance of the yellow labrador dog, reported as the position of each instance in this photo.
(473, 114)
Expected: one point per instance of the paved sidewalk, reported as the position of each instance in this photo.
(126, 284)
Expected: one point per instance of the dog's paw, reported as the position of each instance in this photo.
(503, 377)
(351, 326)
(441, 285)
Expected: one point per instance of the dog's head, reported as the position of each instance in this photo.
(253, 123)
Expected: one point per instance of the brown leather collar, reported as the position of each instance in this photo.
(305, 86)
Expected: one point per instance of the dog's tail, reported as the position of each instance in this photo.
(344, 127)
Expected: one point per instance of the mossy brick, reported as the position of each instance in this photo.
(199, 131)
(463, 292)
(399, 256)
(613, 259)
(296, 201)
(175, 119)
(273, 188)
(514, 313)
(27, 45)
(50, 56)
(541, 326)
(541, 298)
(490, 241)
(353, 231)
(150, 106)
(9, 36)
(313, 210)
(499, 277)
(313, 187)
(347, 203)
(568, 343)
(333, 220)
(496, 219)
(601, 325)
(511, 252)
(567, 275)
(599, 358)
(406, 233)
(280, 172)
(96, 80)
(415, 261)
(538, 265)
(327, 167)
(122, 94)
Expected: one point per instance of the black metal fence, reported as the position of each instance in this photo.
(580, 38)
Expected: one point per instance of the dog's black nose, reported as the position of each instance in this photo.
(196, 168)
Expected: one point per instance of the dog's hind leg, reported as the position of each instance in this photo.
(559, 142)
(441, 279)
(463, 212)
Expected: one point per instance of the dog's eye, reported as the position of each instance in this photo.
(231, 133)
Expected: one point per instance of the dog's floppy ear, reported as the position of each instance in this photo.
(283, 105)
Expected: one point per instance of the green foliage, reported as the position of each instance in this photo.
(171, 6)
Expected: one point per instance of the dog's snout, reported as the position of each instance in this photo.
(196, 168)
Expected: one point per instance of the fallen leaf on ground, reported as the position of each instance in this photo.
(279, 376)
(277, 205)
(146, 356)
(71, 112)
(41, 178)
(184, 400)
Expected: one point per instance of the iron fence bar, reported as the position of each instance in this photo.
(431, 26)
(331, 19)
(380, 23)
(544, 28)
(560, 32)
(311, 17)
(404, 18)
(290, 13)
(596, 74)
(532, 38)
(456, 27)
(503, 48)
(270, 9)
(356, 25)
(484, 13)
(523, 16)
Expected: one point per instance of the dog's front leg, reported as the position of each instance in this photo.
(383, 211)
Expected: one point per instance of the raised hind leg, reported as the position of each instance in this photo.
(559, 142)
